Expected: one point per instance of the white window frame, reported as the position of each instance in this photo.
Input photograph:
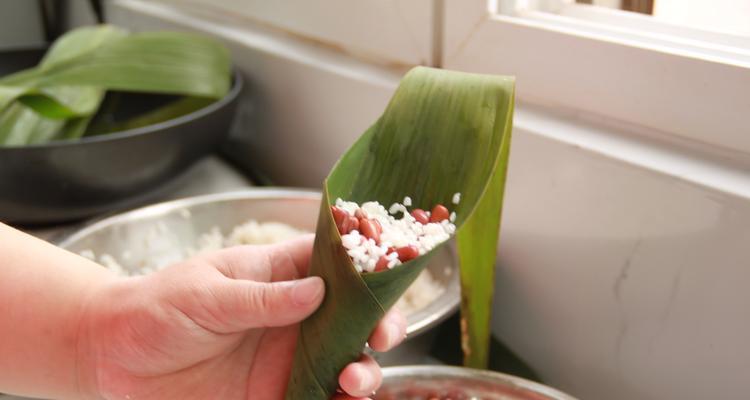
(383, 32)
(622, 66)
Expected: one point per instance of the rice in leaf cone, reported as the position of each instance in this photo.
(443, 133)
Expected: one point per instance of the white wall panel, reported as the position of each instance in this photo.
(394, 31)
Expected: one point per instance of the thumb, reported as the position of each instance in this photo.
(250, 304)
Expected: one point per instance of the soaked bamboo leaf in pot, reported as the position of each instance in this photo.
(160, 62)
(166, 112)
(25, 125)
(38, 129)
(71, 80)
(20, 126)
(74, 45)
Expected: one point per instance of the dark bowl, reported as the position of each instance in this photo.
(70, 180)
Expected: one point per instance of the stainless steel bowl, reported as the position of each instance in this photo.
(179, 223)
(431, 381)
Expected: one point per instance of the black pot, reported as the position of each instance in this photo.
(70, 180)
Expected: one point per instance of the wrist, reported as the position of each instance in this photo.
(93, 312)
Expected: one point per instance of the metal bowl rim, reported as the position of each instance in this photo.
(157, 209)
(444, 371)
(439, 310)
(232, 94)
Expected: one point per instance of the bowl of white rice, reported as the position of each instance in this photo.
(148, 239)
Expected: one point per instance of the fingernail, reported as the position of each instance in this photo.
(365, 381)
(393, 332)
(307, 291)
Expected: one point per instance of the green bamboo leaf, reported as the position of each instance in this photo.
(80, 42)
(443, 132)
(161, 62)
(49, 102)
(74, 128)
(157, 62)
(166, 112)
(24, 126)
(477, 243)
(76, 43)
(20, 126)
(71, 80)
(8, 94)
(62, 102)
(19, 79)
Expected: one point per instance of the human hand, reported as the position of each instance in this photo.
(222, 325)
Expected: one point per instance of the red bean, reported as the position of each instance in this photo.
(390, 250)
(360, 213)
(420, 215)
(382, 264)
(353, 224)
(439, 213)
(338, 215)
(407, 253)
(347, 225)
(377, 225)
(369, 230)
(342, 227)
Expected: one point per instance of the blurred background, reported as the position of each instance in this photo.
(623, 261)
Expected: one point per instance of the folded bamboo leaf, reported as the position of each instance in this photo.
(477, 243)
(443, 132)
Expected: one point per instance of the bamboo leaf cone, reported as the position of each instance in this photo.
(443, 132)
